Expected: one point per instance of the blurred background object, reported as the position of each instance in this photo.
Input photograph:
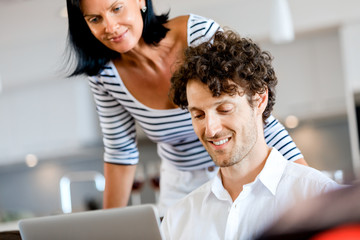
(153, 174)
(0, 85)
(79, 177)
(281, 24)
(328, 216)
(138, 184)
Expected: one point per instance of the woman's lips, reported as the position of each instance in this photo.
(117, 38)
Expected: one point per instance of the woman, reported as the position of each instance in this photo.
(129, 54)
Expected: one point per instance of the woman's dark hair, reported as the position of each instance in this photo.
(90, 54)
(225, 64)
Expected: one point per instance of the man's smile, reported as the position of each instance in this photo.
(221, 142)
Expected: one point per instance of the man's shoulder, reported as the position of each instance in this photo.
(306, 175)
(299, 182)
(299, 170)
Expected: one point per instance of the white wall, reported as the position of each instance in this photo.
(41, 111)
(310, 74)
(46, 119)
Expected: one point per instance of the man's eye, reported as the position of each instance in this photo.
(198, 116)
(225, 110)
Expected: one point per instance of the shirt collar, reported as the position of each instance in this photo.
(217, 189)
(273, 170)
(270, 176)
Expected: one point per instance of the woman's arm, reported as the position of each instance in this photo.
(118, 184)
(121, 153)
(301, 161)
(278, 137)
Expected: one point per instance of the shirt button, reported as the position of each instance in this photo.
(211, 169)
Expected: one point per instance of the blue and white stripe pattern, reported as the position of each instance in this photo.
(171, 129)
(276, 136)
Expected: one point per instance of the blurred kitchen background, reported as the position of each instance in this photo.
(48, 125)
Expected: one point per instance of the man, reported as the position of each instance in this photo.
(228, 85)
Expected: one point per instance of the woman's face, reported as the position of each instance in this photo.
(117, 24)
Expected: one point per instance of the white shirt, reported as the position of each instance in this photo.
(209, 212)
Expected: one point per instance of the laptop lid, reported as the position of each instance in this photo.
(133, 222)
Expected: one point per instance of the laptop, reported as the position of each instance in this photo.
(133, 222)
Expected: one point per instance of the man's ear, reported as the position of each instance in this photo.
(262, 102)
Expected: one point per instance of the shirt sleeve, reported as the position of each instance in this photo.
(200, 29)
(278, 137)
(117, 126)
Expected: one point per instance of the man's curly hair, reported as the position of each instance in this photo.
(224, 64)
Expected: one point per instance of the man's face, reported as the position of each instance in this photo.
(225, 125)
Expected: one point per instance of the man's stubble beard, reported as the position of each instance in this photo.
(240, 152)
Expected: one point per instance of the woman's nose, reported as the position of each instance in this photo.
(110, 25)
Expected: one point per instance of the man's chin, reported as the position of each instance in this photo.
(224, 163)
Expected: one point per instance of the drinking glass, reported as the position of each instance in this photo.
(153, 173)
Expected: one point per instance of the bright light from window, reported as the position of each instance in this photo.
(31, 160)
(291, 121)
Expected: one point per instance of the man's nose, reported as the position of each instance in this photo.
(213, 126)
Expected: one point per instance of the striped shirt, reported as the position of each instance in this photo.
(171, 129)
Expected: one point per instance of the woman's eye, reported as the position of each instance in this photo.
(93, 20)
(116, 9)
